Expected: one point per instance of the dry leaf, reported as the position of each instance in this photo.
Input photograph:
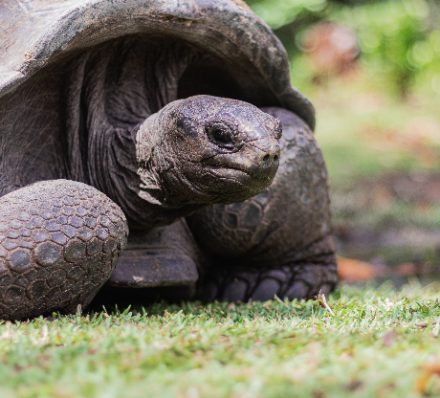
(429, 371)
(352, 270)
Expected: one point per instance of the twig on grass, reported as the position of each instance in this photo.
(323, 301)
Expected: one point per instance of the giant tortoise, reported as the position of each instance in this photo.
(170, 122)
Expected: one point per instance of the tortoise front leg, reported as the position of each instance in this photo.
(59, 242)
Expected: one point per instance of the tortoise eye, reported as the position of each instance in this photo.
(221, 136)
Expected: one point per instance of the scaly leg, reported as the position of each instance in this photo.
(59, 243)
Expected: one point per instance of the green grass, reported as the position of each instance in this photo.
(375, 345)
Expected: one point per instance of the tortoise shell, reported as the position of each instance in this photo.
(39, 33)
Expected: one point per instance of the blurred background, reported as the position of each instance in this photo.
(372, 70)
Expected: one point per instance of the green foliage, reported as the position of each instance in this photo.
(290, 17)
(279, 13)
(399, 39)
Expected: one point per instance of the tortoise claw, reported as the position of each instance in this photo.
(296, 281)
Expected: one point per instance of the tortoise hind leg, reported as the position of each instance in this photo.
(277, 243)
(59, 241)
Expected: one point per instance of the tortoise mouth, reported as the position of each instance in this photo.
(254, 172)
(253, 179)
(235, 185)
(231, 172)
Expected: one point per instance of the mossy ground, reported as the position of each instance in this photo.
(378, 343)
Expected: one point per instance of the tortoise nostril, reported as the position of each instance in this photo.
(270, 158)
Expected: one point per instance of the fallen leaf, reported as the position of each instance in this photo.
(429, 371)
(352, 270)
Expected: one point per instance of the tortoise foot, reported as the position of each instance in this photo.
(294, 281)
(59, 242)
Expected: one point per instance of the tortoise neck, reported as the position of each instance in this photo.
(115, 171)
(111, 91)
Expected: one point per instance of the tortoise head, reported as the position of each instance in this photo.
(207, 149)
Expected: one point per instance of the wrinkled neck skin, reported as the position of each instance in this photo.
(112, 97)
(156, 159)
(139, 186)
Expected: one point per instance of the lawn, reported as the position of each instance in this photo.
(377, 343)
